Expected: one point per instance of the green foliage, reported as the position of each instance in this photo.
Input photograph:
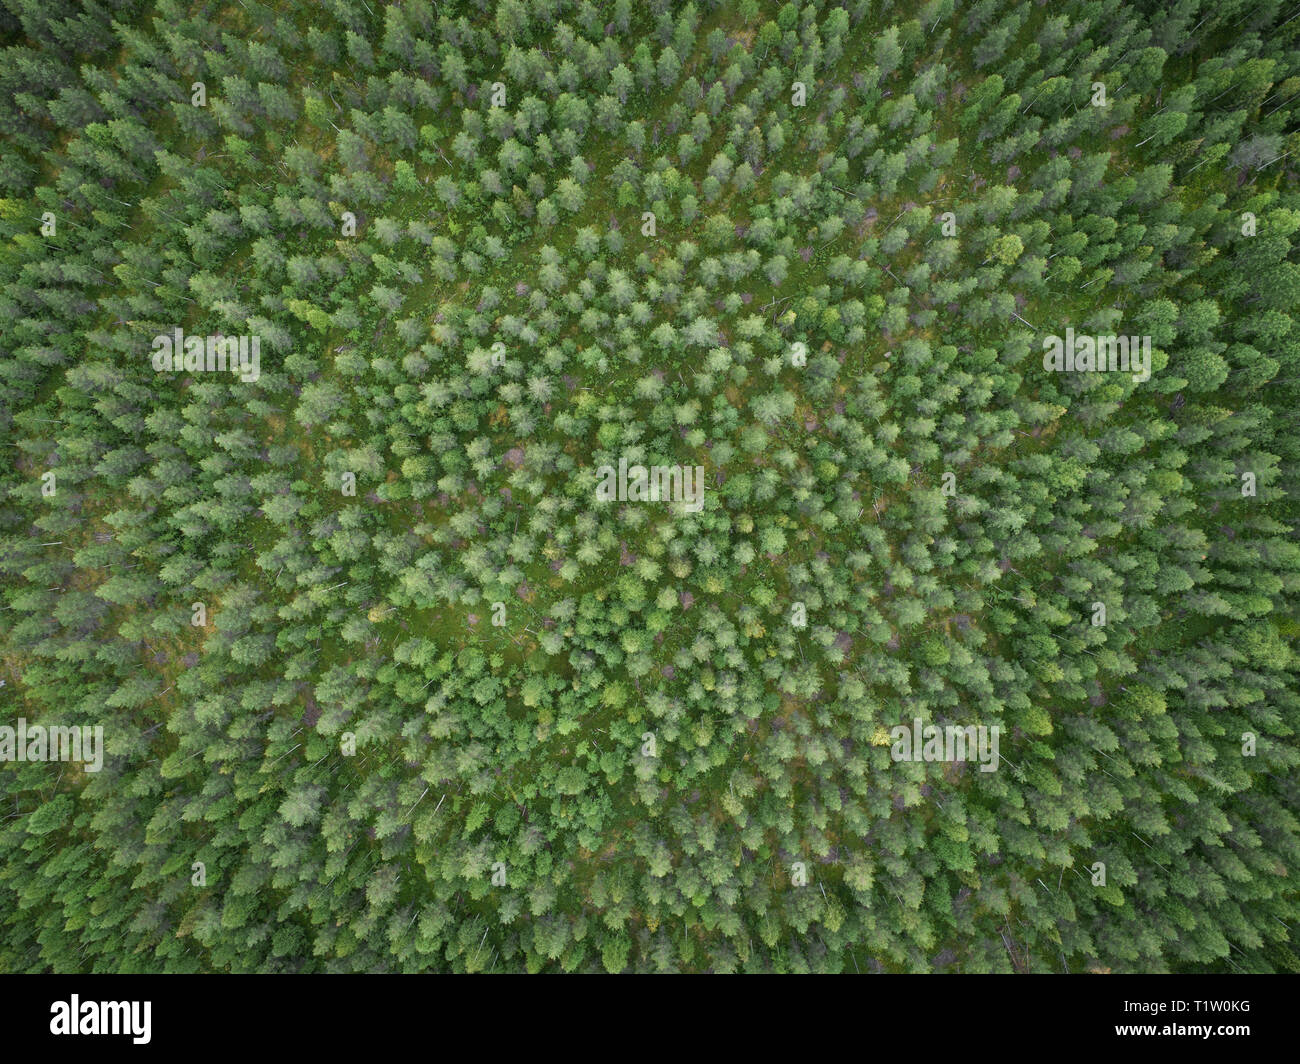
(443, 708)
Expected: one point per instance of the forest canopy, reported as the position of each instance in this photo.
(548, 485)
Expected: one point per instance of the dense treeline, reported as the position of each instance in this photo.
(384, 687)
